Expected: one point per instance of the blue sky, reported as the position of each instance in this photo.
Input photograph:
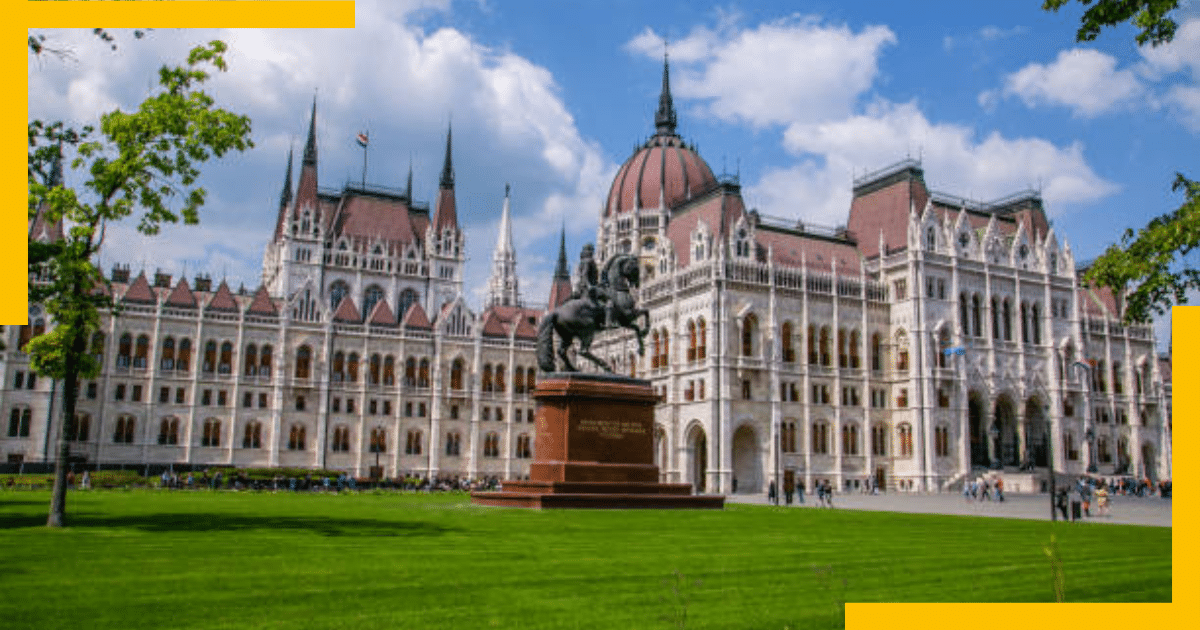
(994, 97)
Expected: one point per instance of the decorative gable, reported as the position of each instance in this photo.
(223, 299)
(140, 291)
(262, 304)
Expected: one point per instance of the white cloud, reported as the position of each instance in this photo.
(1086, 81)
(1182, 52)
(777, 72)
(955, 160)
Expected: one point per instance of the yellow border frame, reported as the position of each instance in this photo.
(340, 14)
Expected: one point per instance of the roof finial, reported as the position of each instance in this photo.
(664, 118)
(310, 149)
(447, 180)
(285, 197)
(561, 270)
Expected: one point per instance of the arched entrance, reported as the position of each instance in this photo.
(697, 455)
(1037, 434)
(1005, 448)
(660, 452)
(977, 423)
(747, 465)
(1149, 466)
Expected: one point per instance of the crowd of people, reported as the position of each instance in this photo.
(323, 483)
(983, 489)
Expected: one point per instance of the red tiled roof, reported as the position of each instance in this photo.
(560, 291)
(709, 210)
(223, 300)
(492, 326)
(886, 210)
(262, 304)
(793, 250)
(347, 312)
(416, 318)
(139, 291)
(499, 321)
(663, 169)
(368, 218)
(1097, 302)
(382, 315)
(446, 214)
(182, 296)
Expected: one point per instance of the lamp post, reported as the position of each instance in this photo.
(1050, 465)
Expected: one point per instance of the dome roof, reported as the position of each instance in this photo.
(663, 172)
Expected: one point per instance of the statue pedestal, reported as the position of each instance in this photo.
(595, 449)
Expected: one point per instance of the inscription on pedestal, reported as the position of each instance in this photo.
(611, 429)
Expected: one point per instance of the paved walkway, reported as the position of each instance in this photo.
(1127, 510)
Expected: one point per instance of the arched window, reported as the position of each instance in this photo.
(167, 359)
(142, 352)
(339, 366)
(850, 439)
(524, 448)
(371, 297)
(787, 438)
(123, 434)
(341, 439)
(963, 315)
(878, 440)
(389, 370)
(423, 373)
(876, 352)
(124, 350)
(656, 351)
(691, 349)
(500, 380)
(901, 352)
(1035, 322)
(18, 422)
(303, 362)
(456, 374)
(168, 430)
(337, 291)
(820, 438)
(296, 438)
(749, 328)
(530, 372)
(264, 361)
(854, 353)
(843, 355)
(410, 372)
(352, 367)
(453, 444)
(412, 443)
(491, 445)
(519, 380)
(408, 297)
(665, 359)
(785, 341)
(250, 361)
(931, 239)
(212, 433)
(183, 362)
(210, 357)
(996, 317)
(1024, 322)
(487, 378)
(1007, 320)
(373, 370)
(78, 429)
(702, 336)
(97, 347)
(226, 364)
(825, 343)
(252, 436)
(941, 441)
(904, 432)
(378, 440)
(976, 316)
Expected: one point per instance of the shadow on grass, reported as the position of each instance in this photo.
(216, 522)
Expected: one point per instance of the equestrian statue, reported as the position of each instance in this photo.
(601, 300)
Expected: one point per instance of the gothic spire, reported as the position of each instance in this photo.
(285, 197)
(664, 118)
(310, 148)
(408, 187)
(561, 270)
(502, 287)
(447, 180)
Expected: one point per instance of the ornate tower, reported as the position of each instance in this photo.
(502, 286)
(444, 242)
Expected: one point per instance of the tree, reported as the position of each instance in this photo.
(146, 161)
(1149, 267)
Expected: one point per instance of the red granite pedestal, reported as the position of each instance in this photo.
(595, 449)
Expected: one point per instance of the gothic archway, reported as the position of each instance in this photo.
(1006, 447)
(977, 423)
(1149, 465)
(747, 464)
(697, 455)
(1037, 434)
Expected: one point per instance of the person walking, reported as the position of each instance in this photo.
(1000, 490)
(771, 492)
(1102, 501)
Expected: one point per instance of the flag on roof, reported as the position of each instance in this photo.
(362, 139)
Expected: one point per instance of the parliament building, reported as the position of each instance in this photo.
(928, 341)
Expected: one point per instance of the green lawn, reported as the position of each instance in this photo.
(154, 559)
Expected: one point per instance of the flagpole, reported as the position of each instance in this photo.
(364, 178)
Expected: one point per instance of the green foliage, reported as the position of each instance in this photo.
(1150, 262)
(1149, 16)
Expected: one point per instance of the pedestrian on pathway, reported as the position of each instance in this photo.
(1000, 489)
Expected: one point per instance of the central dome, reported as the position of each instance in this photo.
(663, 172)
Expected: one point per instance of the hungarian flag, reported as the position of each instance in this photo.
(362, 139)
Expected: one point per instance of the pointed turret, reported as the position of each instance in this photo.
(408, 187)
(446, 215)
(285, 199)
(39, 228)
(502, 286)
(560, 286)
(306, 189)
(664, 118)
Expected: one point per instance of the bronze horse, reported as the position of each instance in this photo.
(581, 318)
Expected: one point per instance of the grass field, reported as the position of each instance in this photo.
(154, 559)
